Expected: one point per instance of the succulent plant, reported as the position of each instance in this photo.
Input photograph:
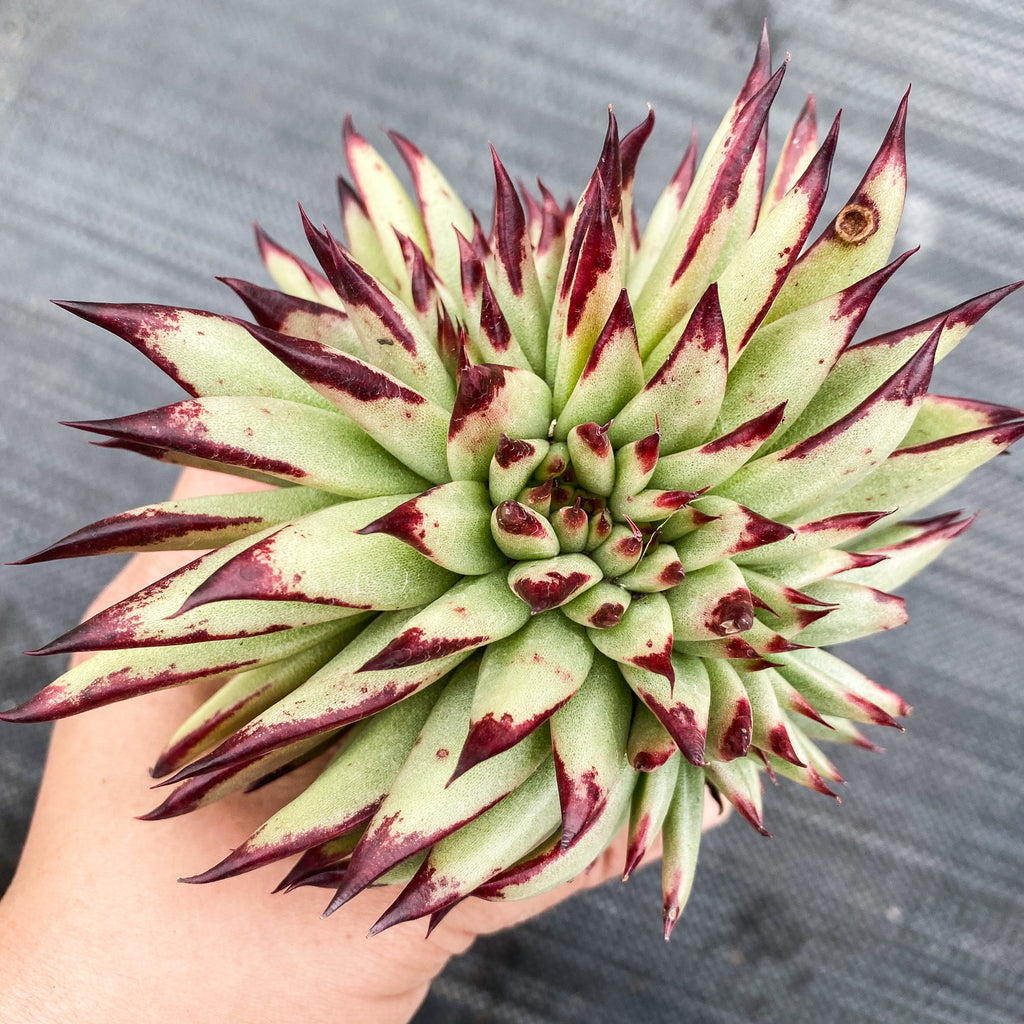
(563, 514)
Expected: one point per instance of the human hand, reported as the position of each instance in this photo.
(96, 928)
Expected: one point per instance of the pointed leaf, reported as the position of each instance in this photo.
(246, 695)
(612, 376)
(340, 693)
(658, 570)
(522, 533)
(116, 675)
(281, 439)
(589, 287)
(796, 478)
(649, 745)
(685, 392)
(730, 723)
(516, 284)
(493, 400)
(292, 275)
(399, 419)
(421, 807)
(663, 217)
(739, 782)
(588, 737)
(463, 860)
(797, 152)
(861, 611)
(363, 240)
(512, 466)
(387, 204)
(152, 617)
(345, 794)
(554, 865)
(787, 361)
(390, 332)
(713, 602)
(206, 354)
(750, 281)
(523, 680)
(192, 794)
(911, 478)
(325, 558)
(300, 318)
(865, 367)
(770, 729)
(476, 611)
(683, 270)
(593, 458)
(647, 811)
(858, 241)
(681, 834)
(643, 638)
(189, 524)
(719, 459)
(449, 524)
(941, 416)
(810, 537)
(602, 606)
(733, 529)
(440, 208)
(904, 559)
(682, 706)
(552, 582)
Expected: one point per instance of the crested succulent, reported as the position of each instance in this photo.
(563, 514)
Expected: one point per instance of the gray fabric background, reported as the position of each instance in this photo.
(138, 139)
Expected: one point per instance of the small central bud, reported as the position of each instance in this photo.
(522, 533)
(514, 518)
(580, 517)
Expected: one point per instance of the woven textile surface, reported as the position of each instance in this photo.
(138, 139)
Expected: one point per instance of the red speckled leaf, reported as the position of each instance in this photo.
(729, 529)
(458, 863)
(152, 617)
(205, 353)
(612, 376)
(524, 679)
(684, 394)
(399, 419)
(714, 602)
(858, 241)
(344, 795)
(588, 737)
(794, 479)
(300, 318)
(423, 805)
(787, 361)
(190, 524)
(681, 707)
(719, 459)
(247, 694)
(493, 401)
(282, 439)
(116, 675)
(683, 270)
